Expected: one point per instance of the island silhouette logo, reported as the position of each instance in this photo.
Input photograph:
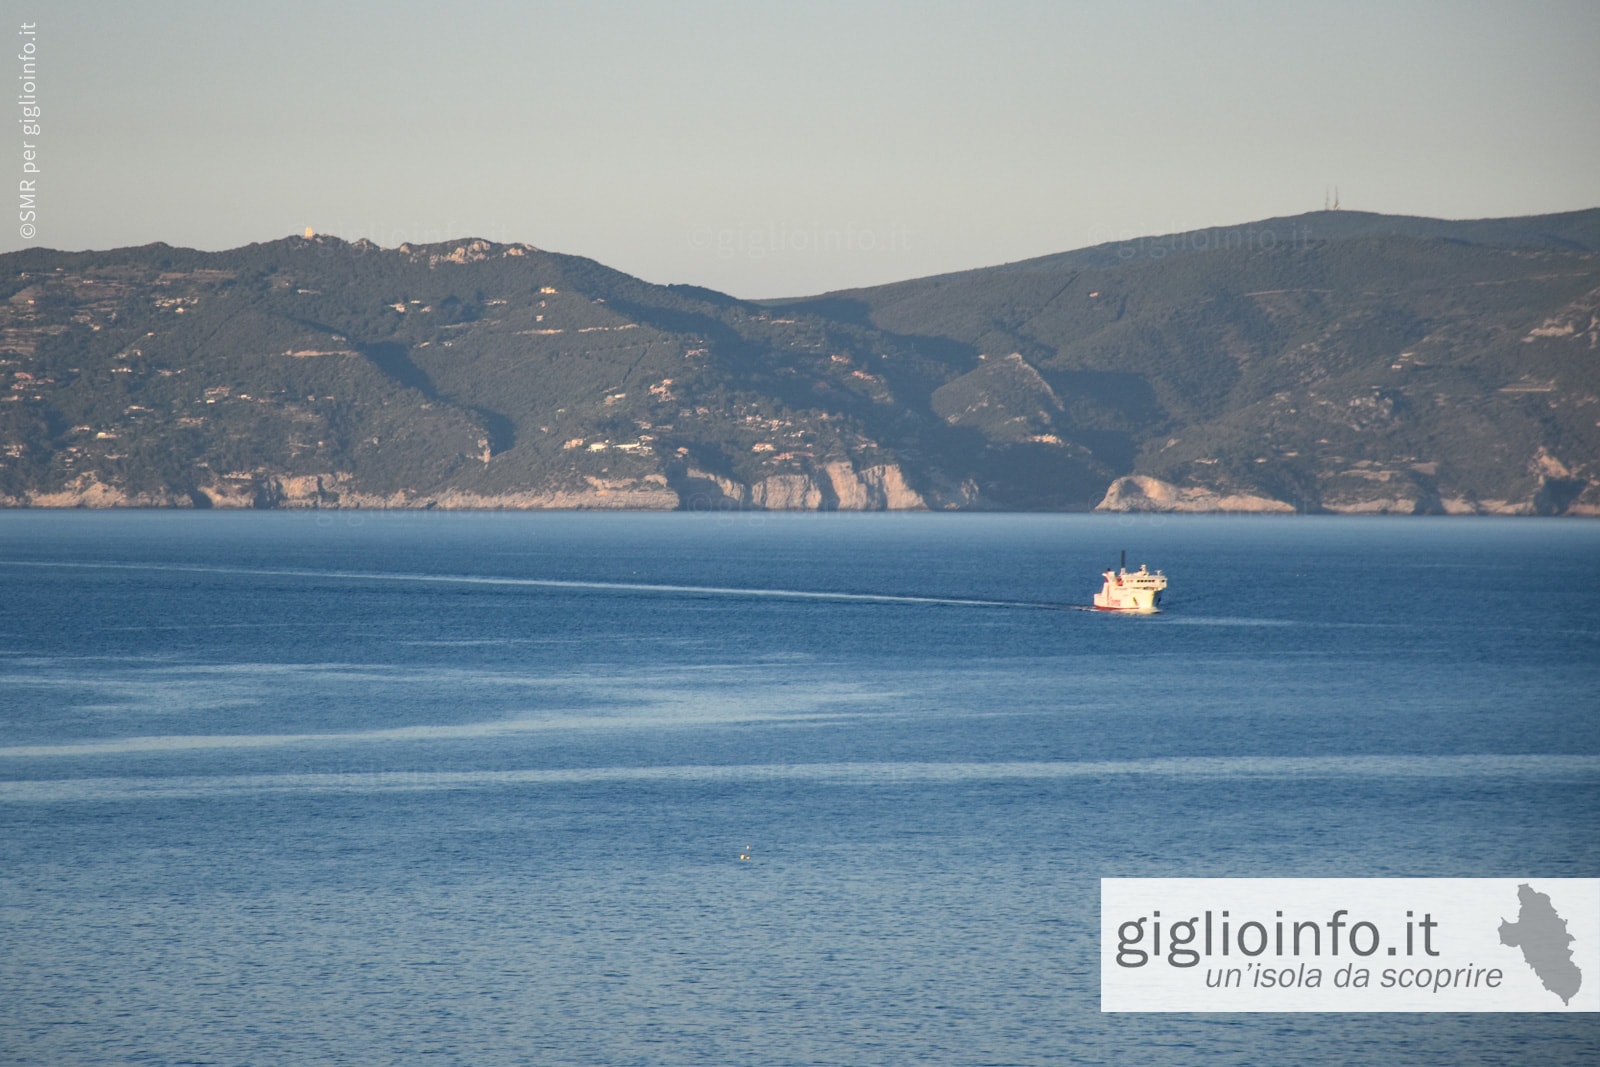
(1541, 933)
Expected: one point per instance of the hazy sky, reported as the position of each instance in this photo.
(782, 149)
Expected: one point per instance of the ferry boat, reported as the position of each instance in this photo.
(1134, 591)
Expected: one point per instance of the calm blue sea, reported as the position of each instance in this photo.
(345, 788)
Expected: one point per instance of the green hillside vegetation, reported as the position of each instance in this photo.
(1382, 368)
(1350, 362)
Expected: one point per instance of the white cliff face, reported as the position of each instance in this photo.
(1138, 492)
(838, 486)
(877, 488)
(835, 486)
(337, 489)
(87, 491)
(787, 492)
(1381, 495)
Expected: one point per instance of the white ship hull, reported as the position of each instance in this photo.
(1137, 591)
(1143, 601)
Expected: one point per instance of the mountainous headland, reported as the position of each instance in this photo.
(1330, 362)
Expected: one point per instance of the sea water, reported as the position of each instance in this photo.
(352, 788)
